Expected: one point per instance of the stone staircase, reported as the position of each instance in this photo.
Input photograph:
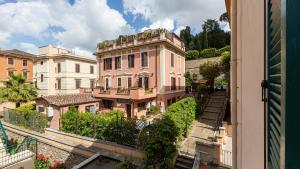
(184, 162)
(214, 106)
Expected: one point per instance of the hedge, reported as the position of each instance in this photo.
(192, 54)
(224, 49)
(182, 113)
(207, 53)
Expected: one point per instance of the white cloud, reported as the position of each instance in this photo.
(85, 23)
(165, 23)
(29, 47)
(185, 12)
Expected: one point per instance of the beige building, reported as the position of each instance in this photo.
(264, 75)
(59, 71)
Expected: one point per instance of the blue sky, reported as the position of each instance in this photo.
(79, 25)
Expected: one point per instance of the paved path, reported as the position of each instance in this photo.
(202, 128)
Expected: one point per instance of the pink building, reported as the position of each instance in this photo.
(140, 70)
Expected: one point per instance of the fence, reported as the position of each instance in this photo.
(33, 120)
(13, 153)
(226, 158)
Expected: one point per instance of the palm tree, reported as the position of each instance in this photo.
(17, 90)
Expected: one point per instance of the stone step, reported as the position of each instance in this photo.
(208, 118)
(217, 97)
(211, 116)
(182, 166)
(215, 104)
(213, 109)
(219, 93)
(185, 161)
(216, 100)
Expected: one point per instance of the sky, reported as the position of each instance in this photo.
(78, 25)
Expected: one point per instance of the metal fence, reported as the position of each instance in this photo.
(226, 158)
(33, 120)
(10, 154)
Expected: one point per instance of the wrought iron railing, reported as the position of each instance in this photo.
(3, 135)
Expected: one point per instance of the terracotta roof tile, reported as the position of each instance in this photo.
(69, 99)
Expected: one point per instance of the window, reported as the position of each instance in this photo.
(173, 83)
(42, 78)
(169, 102)
(107, 104)
(58, 84)
(107, 83)
(143, 82)
(24, 62)
(144, 58)
(129, 84)
(41, 109)
(107, 63)
(172, 59)
(92, 69)
(25, 74)
(42, 62)
(58, 67)
(118, 62)
(77, 68)
(119, 82)
(10, 61)
(130, 61)
(142, 106)
(10, 72)
(78, 83)
(90, 108)
(92, 84)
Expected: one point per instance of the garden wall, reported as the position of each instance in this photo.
(210, 151)
(96, 143)
(52, 147)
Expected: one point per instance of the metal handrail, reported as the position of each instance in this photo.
(4, 137)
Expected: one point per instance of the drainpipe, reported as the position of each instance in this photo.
(234, 86)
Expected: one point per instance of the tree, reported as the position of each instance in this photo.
(188, 79)
(224, 17)
(17, 90)
(192, 54)
(212, 36)
(210, 71)
(186, 36)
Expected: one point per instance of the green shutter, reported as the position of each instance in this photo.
(274, 75)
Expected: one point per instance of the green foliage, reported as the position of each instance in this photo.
(42, 162)
(158, 143)
(110, 126)
(182, 113)
(224, 49)
(188, 79)
(154, 109)
(192, 54)
(27, 117)
(207, 53)
(17, 90)
(220, 83)
(225, 61)
(210, 70)
(158, 140)
(122, 131)
(127, 164)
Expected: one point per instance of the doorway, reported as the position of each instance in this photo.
(128, 110)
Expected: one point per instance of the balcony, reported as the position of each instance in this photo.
(132, 93)
(148, 36)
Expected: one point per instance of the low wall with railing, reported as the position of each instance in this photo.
(55, 149)
(96, 143)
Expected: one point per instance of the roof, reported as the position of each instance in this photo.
(17, 53)
(69, 99)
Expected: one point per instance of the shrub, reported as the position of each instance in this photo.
(224, 49)
(127, 164)
(154, 109)
(207, 53)
(122, 131)
(192, 54)
(158, 142)
(225, 62)
(182, 113)
(210, 70)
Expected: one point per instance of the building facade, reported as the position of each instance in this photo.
(264, 83)
(58, 71)
(140, 70)
(16, 62)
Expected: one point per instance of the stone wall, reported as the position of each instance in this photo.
(209, 151)
(50, 148)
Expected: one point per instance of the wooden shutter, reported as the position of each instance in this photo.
(274, 75)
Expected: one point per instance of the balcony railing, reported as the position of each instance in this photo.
(123, 91)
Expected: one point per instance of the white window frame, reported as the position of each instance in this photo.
(118, 82)
(128, 81)
(109, 82)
